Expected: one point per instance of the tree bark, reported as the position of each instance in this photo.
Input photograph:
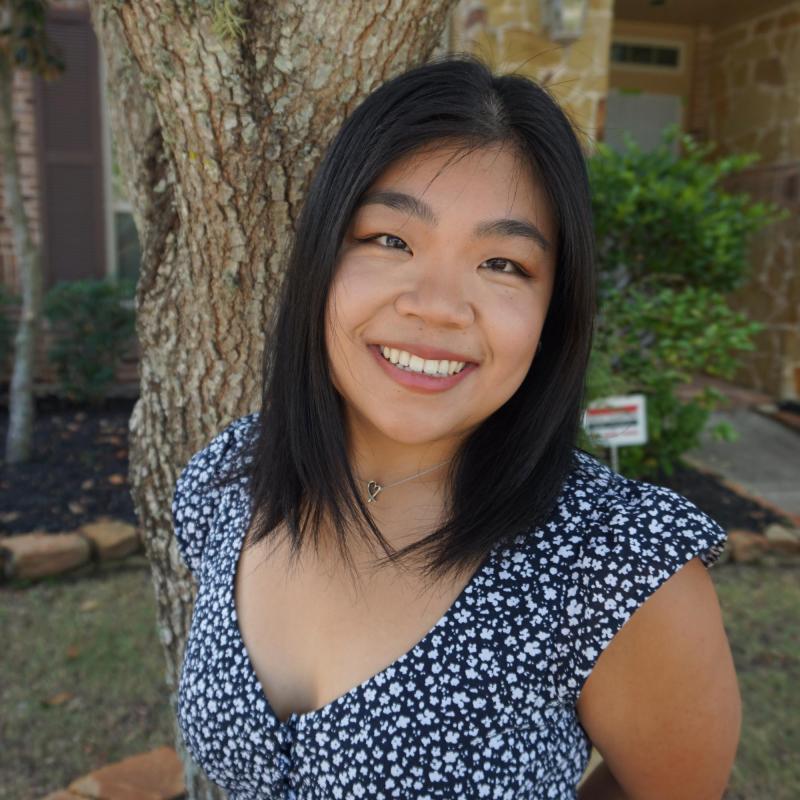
(21, 408)
(221, 111)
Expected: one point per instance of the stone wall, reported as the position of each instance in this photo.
(772, 296)
(508, 35)
(754, 84)
(753, 105)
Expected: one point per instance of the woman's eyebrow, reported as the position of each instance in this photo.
(400, 201)
(512, 227)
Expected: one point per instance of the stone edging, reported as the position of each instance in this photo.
(38, 554)
(778, 543)
(157, 775)
(787, 418)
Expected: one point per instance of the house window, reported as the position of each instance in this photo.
(127, 253)
(123, 253)
(643, 54)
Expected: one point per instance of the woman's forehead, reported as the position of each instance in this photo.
(451, 178)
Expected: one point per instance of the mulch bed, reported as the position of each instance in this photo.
(79, 472)
(729, 509)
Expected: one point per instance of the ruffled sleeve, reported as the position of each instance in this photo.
(643, 536)
(196, 496)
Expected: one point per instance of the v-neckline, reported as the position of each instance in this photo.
(295, 720)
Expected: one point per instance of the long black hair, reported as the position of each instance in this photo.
(507, 474)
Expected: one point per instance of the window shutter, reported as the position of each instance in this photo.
(70, 154)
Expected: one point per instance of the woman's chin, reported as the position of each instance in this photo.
(410, 434)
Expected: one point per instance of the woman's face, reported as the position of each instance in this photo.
(453, 266)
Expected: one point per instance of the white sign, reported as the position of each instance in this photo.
(617, 421)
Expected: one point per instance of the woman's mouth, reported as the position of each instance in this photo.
(423, 375)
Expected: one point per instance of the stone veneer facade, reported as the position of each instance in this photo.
(508, 35)
(753, 105)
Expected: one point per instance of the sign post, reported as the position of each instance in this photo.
(616, 422)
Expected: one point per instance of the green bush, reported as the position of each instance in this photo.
(7, 300)
(92, 330)
(671, 244)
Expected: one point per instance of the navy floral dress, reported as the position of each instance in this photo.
(483, 706)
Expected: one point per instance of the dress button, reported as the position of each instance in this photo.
(283, 761)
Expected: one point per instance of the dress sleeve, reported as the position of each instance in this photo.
(645, 535)
(196, 496)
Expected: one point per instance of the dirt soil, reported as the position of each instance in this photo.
(80, 472)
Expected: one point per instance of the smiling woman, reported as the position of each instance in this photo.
(423, 388)
(462, 287)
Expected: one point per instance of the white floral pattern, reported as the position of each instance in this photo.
(483, 705)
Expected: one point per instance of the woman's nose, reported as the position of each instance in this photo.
(437, 297)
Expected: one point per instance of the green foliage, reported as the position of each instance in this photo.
(7, 300)
(662, 215)
(24, 44)
(92, 329)
(671, 243)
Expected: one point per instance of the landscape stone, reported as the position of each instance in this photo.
(111, 538)
(157, 775)
(62, 794)
(36, 554)
(783, 540)
(746, 547)
(94, 790)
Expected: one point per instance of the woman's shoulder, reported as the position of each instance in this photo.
(637, 517)
(199, 486)
(202, 467)
(631, 537)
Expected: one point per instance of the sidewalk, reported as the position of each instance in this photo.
(765, 459)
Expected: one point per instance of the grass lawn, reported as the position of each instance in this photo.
(81, 677)
(761, 608)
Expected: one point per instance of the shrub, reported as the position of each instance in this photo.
(92, 329)
(671, 244)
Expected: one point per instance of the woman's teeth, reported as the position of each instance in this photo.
(411, 363)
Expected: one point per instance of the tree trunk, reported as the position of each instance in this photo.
(21, 407)
(220, 114)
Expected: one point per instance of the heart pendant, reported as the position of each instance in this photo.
(373, 489)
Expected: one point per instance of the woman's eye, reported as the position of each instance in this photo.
(514, 268)
(392, 242)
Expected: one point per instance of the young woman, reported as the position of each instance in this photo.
(411, 583)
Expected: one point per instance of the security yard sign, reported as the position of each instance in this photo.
(616, 422)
